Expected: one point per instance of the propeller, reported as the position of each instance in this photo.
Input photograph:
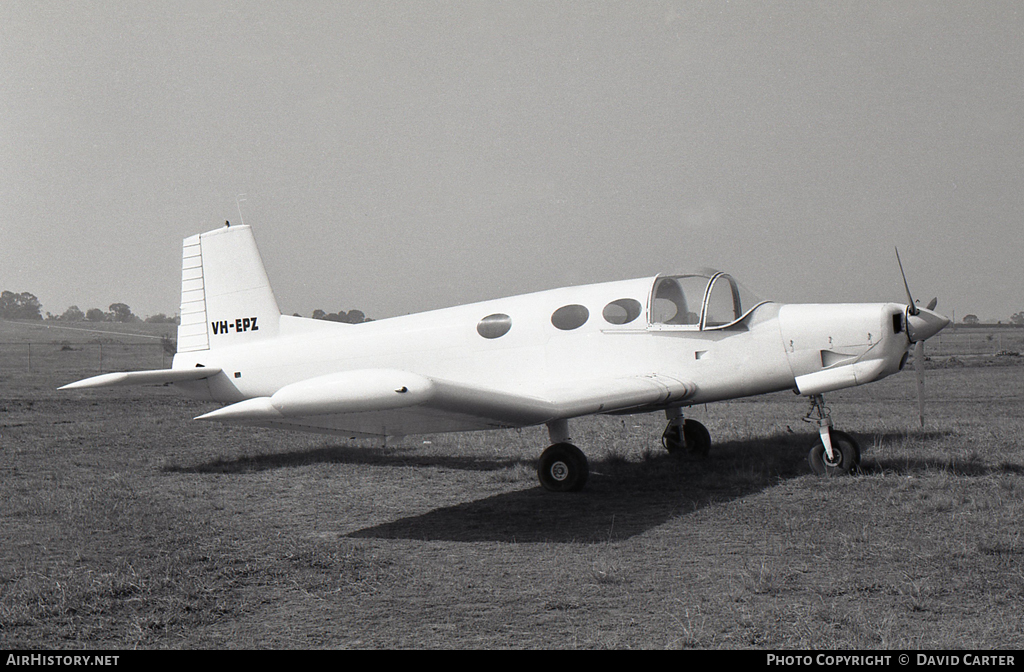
(922, 324)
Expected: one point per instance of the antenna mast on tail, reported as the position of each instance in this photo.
(238, 204)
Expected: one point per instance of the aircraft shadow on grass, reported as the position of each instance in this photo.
(622, 499)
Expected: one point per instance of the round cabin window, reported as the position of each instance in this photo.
(570, 317)
(622, 311)
(494, 326)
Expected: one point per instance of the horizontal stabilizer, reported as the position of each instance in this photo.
(156, 377)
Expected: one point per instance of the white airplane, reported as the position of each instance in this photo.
(652, 344)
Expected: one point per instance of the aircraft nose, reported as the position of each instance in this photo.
(924, 324)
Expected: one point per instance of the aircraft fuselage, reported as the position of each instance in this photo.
(633, 346)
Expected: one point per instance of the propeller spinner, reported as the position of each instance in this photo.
(922, 324)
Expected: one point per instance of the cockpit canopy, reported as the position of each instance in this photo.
(707, 299)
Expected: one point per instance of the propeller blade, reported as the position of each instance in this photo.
(910, 298)
(922, 324)
(919, 370)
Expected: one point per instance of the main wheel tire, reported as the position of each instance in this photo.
(563, 468)
(845, 456)
(698, 438)
(688, 436)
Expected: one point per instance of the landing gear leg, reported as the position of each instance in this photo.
(836, 453)
(562, 467)
(682, 435)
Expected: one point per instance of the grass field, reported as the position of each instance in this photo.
(125, 524)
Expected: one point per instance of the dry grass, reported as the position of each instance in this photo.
(127, 525)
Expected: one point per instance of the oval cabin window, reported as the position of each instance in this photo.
(570, 317)
(622, 311)
(494, 326)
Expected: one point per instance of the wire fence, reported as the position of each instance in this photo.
(83, 357)
(960, 342)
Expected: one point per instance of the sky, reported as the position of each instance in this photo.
(394, 157)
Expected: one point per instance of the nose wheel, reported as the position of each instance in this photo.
(844, 458)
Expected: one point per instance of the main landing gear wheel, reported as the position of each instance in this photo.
(563, 468)
(845, 455)
(686, 436)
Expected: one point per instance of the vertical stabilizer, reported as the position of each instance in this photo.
(226, 297)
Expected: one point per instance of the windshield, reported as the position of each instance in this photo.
(703, 300)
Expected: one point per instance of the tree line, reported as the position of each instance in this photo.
(350, 317)
(1017, 320)
(25, 306)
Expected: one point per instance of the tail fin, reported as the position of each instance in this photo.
(226, 297)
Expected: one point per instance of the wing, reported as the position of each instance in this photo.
(387, 402)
